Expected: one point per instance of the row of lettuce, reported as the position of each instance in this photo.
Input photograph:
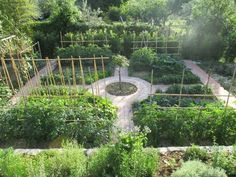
(125, 158)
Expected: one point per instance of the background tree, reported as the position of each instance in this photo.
(212, 24)
(120, 61)
(65, 14)
(17, 15)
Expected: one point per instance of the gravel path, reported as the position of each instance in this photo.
(123, 103)
(217, 89)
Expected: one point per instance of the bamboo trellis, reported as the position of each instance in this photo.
(82, 42)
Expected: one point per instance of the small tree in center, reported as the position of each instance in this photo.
(120, 61)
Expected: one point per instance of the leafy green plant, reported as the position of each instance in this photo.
(120, 61)
(5, 93)
(83, 51)
(225, 160)
(86, 118)
(126, 158)
(191, 89)
(142, 59)
(12, 164)
(174, 126)
(71, 161)
(198, 169)
(195, 153)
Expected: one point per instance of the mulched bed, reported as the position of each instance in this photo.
(121, 89)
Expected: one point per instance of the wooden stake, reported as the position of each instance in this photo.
(73, 72)
(8, 75)
(230, 89)
(181, 87)
(61, 72)
(82, 72)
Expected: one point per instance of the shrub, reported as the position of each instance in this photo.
(12, 164)
(85, 118)
(195, 153)
(71, 161)
(114, 13)
(198, 169)
(127, 158)
(142, 59)
(226, 161)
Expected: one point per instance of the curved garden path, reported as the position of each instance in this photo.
(216, 88)
(124, 103)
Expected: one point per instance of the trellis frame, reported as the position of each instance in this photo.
(82, 42)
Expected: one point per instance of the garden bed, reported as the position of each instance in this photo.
(71, 78)
(110, 160)
(58, 112)
(166, 69)
(121, 88)
(181, 121)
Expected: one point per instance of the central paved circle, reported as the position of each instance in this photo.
(121, 88)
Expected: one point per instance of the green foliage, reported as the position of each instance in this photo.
(145, 10)
(5, 93)
(126, 159)
(198, 169)
(17, 15)
(191, 89)
(187, 126)
(189, 78)
(142, 58)
(86, 118)
(104, 4)
(71, 161)
(64, 14)
(225, 161)
(12, 164)
(120, 61)
(114, 13)
(90, 16)
(166, 69)
(195, 153)
(217, 20)
(83, 52)
(68, 77)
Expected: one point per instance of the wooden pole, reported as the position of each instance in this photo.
(8, 75)
(104, 76)
(82, 72)
(181, 87)
(90, 75)
(61, 72)
(73, 71)
(96, 77)
(231, 86)
(40, 52)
